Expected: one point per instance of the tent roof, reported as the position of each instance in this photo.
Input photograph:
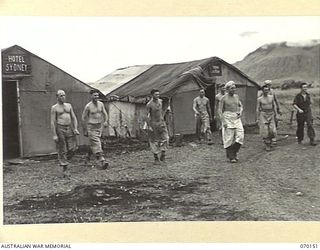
(163, 77)
(118, 77)
(26, 51)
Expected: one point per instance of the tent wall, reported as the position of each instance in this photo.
(250, 105)
(141, 117)
(228, 74)
(121, 114)
(37, 95)
(183, 114)
(35, 119)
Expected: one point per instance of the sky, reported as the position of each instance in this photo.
(90, 48)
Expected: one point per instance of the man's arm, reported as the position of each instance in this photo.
(194, 106)
(53, 123)
(216, 106)
(297, 108)
(220, 111)
(105, 114)
(240, 108)
(295, 105)
(258, 108)
(84, 118)
(148, 119)
(74, 120)
(209, 110)
(276, 104)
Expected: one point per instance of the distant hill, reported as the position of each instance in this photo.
(284, 61)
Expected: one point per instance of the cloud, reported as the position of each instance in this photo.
(248, 33)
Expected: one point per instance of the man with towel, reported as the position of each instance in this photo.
(230, 111)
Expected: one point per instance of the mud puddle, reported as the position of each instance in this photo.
(159, 192)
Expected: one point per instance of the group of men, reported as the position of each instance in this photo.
(228, 112)
(268, 108)
(64, 127)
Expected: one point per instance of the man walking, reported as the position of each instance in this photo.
(302, 103)
(230, 112)
(94, 118)
(202, 110)
(64, 126)
(158, 133)
(266, 111)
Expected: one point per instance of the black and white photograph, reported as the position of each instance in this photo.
(160, 119)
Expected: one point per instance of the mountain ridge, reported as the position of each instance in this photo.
(285, 61)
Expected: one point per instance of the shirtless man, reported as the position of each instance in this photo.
(202, 110)
(230, 111)
(94, 118)
(266, 115)
(64, 126)
(158, 133)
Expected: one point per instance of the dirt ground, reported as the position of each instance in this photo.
(197, 183)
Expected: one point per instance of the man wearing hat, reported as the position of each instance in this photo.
(230, 111)
(94, 118)
(64, 127)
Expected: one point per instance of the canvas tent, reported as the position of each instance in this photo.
(29, 85)
(179, 84)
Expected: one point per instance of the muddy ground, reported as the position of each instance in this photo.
(196, 184)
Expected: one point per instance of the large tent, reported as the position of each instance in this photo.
(29, 86)
(179, 84)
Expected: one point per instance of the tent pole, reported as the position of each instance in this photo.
(19, 119)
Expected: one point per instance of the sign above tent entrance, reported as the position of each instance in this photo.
(16, 64)
(215, 69)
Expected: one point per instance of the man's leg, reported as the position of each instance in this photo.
(236, 148)
(228, 141)
(300, 127)
(239, 137)
(267, 142)
(94, 135)
(71, 144)
(164, 141)
(231, 153)
(62, 148)
(310, 130)
(198, 127)
(209, 136)
(154, 144)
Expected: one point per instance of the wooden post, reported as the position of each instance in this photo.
(19, 119)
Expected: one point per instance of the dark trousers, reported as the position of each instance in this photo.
(301, 120)
(233, 150)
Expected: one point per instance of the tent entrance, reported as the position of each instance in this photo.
(211, 94)
(10, 122)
